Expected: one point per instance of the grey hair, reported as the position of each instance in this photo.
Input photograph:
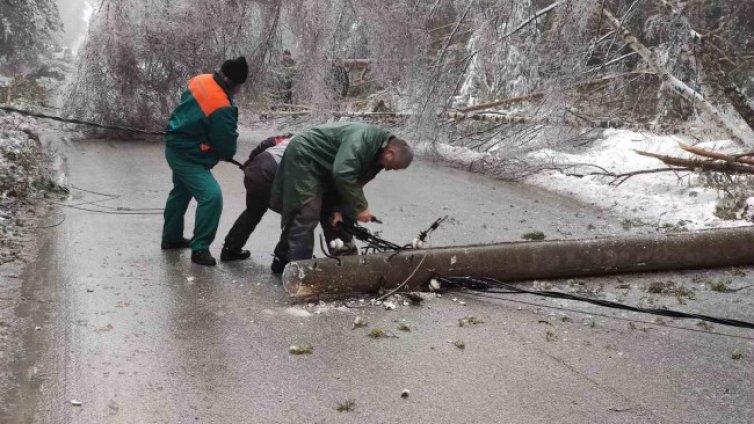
(404, 153)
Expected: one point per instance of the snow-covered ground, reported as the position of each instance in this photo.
(668, 200)
(658, 199)
(19, 151)
(23, 175)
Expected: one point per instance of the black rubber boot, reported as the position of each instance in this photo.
(228, 255)
(203, 257)
(170, 245)
(278, 265)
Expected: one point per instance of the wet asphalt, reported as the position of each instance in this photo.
(139, 335)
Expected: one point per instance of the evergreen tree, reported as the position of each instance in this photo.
(27, 28)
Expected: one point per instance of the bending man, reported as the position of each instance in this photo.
(202, 131)
(336, 159)
(259, 173)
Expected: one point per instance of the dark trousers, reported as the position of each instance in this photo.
(297, 240)
(258, 177)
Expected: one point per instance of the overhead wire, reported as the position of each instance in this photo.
(79, 122)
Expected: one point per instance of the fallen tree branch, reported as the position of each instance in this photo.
(443, 52)
(540, 93)
(351, 63)
(274, 106)
(496, 103)
(720, 73)
(703, 165)
(695, 36)
(498, 118)
(617, 179)
(716, 155)
(546, 10)
(674, 84)
(611, 62)
(621, 178)
(495, 117)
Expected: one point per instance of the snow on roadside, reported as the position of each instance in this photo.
(19, 156)
(659, 199)
(23, 176)
(656, 200)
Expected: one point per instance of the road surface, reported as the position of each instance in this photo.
(138, 335)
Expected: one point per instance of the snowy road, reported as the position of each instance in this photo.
(137, 335)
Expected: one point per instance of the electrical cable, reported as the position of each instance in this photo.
(79, 122)
(403, 284)
(113, 210)
(62, 220)
(597, 314)
(96, 125)
(114, 196)
(489, 285)
(391, 292)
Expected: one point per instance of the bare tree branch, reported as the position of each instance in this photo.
(716, 155)
(524, 24)
(703, 165)
(672, 83)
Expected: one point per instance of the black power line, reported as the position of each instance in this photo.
(79, 122)
(490, 285)
(96, 125)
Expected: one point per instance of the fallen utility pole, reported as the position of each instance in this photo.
(516, 261)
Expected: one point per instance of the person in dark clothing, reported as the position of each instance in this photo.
(288, 74)
(259, 173)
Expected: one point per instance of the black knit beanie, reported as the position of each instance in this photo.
(236, 70)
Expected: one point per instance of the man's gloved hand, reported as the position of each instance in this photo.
(365, 216)
(336, 219)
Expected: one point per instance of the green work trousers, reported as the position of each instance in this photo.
(192, 180)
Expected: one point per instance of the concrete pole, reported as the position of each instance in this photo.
(515, 261)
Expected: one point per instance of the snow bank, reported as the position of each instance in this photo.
(674, 201)
(23, 175)
(20, 156)
(661, 199)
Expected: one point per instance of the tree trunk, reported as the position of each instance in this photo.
(259, 56)
(539, 94)
(676, 85)
(719, 74)
(715, 155)
(704, 165)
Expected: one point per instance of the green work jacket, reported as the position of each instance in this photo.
(338, 158)
(203, 128)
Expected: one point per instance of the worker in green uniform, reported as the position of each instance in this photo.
(202, 131)
(329, 160)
